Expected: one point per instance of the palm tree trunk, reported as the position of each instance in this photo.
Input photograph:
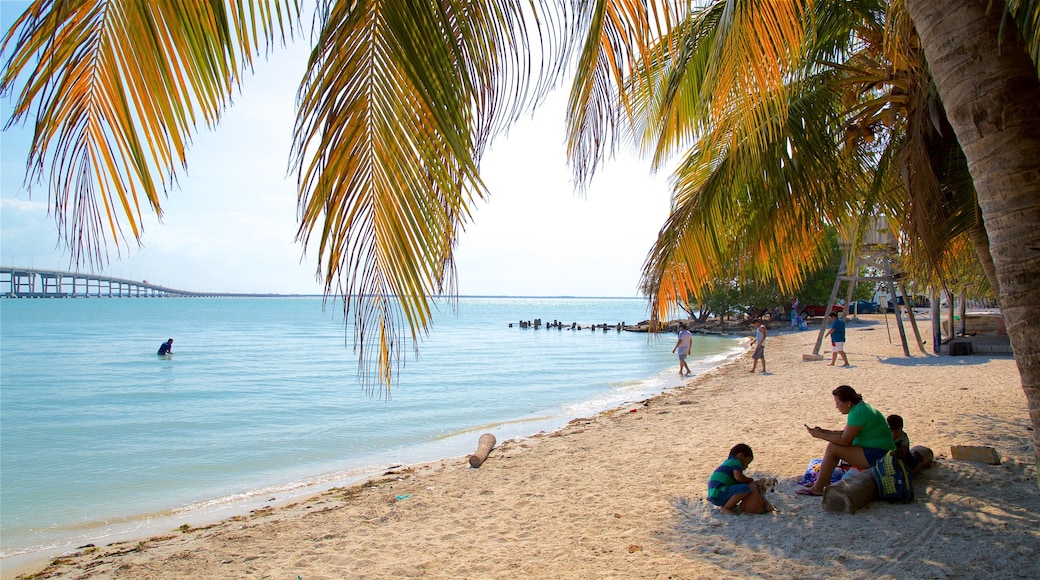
(980, 240)
(991, 93)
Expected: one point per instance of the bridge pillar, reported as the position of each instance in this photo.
(51, 283)
(23, 282)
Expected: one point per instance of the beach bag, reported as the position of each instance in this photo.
(812, 473)
(850, 471)
(892, 478)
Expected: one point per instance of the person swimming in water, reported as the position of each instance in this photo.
(166, 348)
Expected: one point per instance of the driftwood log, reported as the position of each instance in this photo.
(856, 491)
(484, 447)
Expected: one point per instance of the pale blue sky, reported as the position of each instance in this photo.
(230, 225)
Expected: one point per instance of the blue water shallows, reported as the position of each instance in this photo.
(262, 397)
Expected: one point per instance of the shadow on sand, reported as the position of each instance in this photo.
(941, 360)
(953, 529)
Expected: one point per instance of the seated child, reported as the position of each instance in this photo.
(895, 423)
(729, 488)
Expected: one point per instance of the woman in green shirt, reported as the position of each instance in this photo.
(865, 439)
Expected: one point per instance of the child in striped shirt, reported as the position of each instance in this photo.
(731, 490)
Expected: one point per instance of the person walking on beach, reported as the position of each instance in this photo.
(682, 346)
(166, 348)
(759, 343)
(837, 334)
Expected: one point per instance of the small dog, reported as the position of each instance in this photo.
(766, 484)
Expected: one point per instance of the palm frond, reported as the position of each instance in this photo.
(716, 60)
(769, 168)
(619, 35)
(116, 91)
(767, 209)
(1026, 15)
(400, 100)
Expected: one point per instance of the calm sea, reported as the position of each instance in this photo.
(99, 437)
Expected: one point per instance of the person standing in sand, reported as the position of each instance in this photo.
(865, 439)
(837, 334)
(683, 346)
(759, 344)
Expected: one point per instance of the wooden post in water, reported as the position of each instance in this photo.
(484, 447)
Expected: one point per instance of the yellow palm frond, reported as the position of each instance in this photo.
(636, 53)
(619, 36)
(116, 91)
(730, 57)
(763, 200)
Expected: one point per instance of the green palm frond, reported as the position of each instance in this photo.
(936, 201)
(767, 208)
(741, 56)
(116, 91)
(399, 102)
(767, 169)
(1026, 14)
(619, 36)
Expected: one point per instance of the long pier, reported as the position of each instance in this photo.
(33, 283)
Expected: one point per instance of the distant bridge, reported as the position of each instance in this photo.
(33, 283)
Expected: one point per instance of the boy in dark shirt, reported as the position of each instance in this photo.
(895, 423)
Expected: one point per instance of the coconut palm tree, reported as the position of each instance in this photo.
(988, 83)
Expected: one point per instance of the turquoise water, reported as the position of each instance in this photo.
(261, 399)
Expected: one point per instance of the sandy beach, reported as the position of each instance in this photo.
(622, 494)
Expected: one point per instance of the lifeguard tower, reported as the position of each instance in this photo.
(874, 249)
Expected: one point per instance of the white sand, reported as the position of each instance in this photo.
(621, 495)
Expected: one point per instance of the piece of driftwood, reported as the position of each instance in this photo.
(856, 491)
(484, 447)
(975, 453)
